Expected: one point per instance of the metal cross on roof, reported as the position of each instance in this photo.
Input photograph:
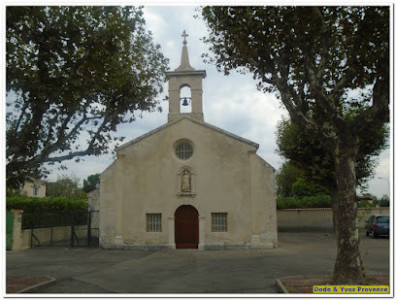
(185, 35)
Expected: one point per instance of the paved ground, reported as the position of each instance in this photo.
(83, 270)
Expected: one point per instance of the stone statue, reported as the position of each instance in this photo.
(186, 181)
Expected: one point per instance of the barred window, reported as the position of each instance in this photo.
(219, 222)
(184, 150)
(36, 190)
(153, 223)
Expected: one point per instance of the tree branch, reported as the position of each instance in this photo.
(380, 108)
(25, 106)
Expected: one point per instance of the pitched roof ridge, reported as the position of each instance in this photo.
(213, 127)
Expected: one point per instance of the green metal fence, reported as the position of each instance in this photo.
(9, 229)
(82, 231)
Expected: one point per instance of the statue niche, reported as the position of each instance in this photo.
(185, 182)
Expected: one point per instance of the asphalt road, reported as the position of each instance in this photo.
(84, 270)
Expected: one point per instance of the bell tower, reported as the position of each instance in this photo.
(185, 76)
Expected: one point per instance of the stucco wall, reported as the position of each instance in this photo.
(226, 177)
(300, 220)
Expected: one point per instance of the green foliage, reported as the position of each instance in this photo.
(304, 188)
(73, 72)
(12, 192)
(65, 187)
(321, 201)
(315, 162)
(314, 55)
(383, 203)
(368, 201)
(32, 204)
(367, 204)
(317, 201)
(305, 195)
(304, 152)
(91, 183)
(285, 178)
(49, 212)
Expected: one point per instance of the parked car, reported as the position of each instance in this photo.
(377, 225)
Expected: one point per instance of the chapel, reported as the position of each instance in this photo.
(188, 184)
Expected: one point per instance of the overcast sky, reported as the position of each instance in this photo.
(230, 102)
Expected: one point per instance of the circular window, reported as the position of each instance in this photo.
(184, 150)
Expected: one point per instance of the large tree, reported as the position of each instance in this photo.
(316, 165)
(330, 68)
(310, 160)
(73, 74)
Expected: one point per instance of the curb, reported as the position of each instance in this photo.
(35, 287)
(281, 288)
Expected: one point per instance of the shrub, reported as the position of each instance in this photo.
(32, 204)
(289, 203)
(317, 201)
(49, 212)
(366, 204)
(303, 188)
(383, 203)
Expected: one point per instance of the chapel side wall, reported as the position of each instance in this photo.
(108, 205)
(264, 225)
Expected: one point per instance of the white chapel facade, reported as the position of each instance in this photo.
(188, 184)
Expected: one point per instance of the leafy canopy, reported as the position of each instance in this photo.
(330, 68)
(328, 65)
(91, 183)
(311, 161)
(286, 176)
(73, 74)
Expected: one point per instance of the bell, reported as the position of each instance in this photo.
(185, 102)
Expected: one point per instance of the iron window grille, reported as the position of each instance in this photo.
(153, 223)
(219, 222)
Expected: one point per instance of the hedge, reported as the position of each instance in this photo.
(318, 201)
(49, 212)
(50, 204)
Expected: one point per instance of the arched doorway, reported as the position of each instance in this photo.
(186, 227)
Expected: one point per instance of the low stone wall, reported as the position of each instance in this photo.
(319, 219)
(47, 236)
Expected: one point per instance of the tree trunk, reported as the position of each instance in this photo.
(348, 267)
(333, 196)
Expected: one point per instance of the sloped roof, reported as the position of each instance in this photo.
(35, 180)
(204, 124)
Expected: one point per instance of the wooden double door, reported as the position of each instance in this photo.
(186, 227)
